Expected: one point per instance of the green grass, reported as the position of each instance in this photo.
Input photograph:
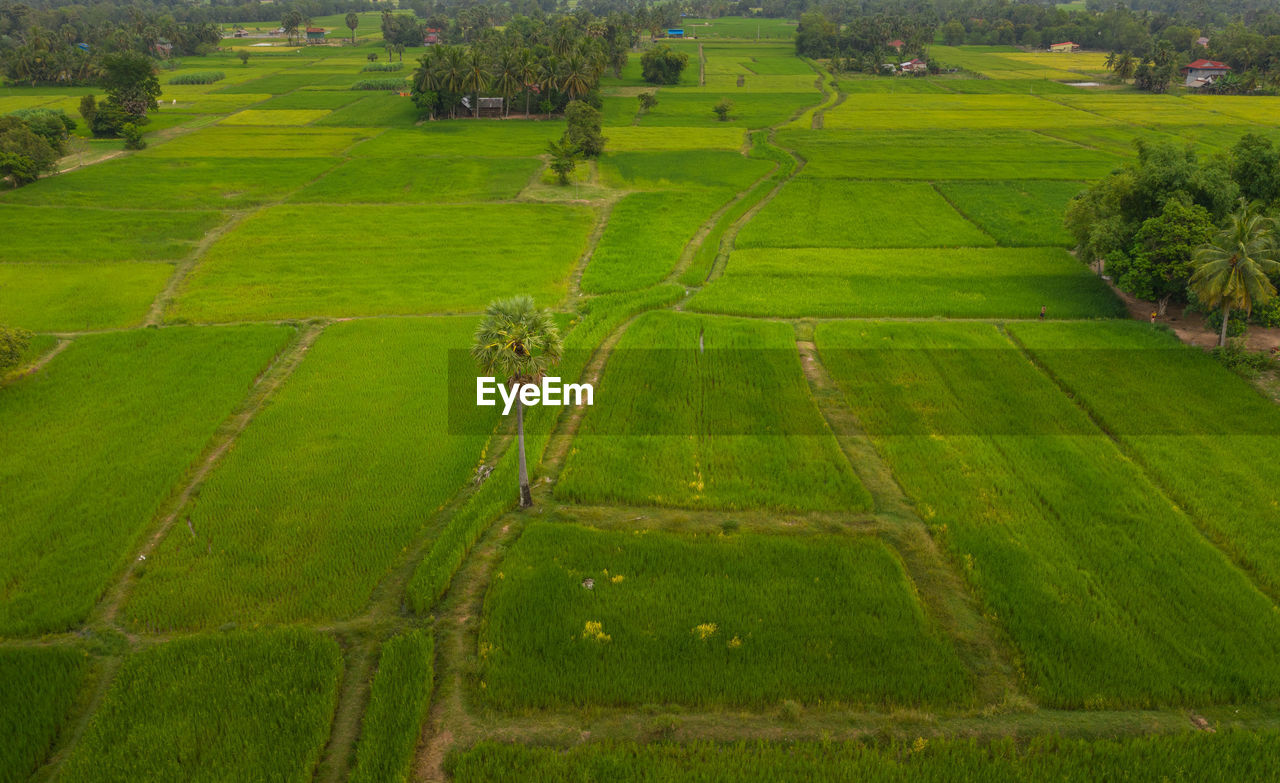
(685, 169)
(645, 236)
(174, 183)
(377, 111)
(740, 27)
(397, 708)
(1182, 757)
(42, 234)
(750, 110)
(73, 296)
(248, 706)
(922, 155)
(422, 180)
(230, 142)
(93, 413)
(389, 260)
(310, 99)
(39, 686)
(466, 138)
(369, 454)
(733, 427)
(635, 139)
(998, 111)
(1111, 595)
(1211, 445)
(845, 213)
(740, 620)
(271, 117)
(1018, 214)
(953, 283)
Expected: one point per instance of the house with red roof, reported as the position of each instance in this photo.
(1203, 72)
(897, 44)
(1065, 46)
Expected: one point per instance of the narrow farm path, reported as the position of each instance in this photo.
(264, 387)
(941, 589)
(358, 656)
(103, 674)
(38, 364)
(731, 233)
(702, 67)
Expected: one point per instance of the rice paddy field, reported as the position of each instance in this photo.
(844, 507)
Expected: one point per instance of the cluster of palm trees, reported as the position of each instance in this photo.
(563, 69)
(67, 50)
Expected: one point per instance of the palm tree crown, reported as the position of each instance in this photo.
(516, 341)
(1232, 269)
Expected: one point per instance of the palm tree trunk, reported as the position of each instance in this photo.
(526, 497)
(1226, 319)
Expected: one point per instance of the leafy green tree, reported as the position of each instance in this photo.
(517, 342)
(1233, 269)
(52, 125)
(24, 154)
(662, 65)
(1255, 166)
(13, 344)
(244, 57)
(130, 82)
(1159, 265)
(290, 21)
(953, 33)
(647, 101)
(722, 109)
(584, 128)
(564, 159)
(353, 21)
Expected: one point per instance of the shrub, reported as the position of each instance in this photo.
(661, 65)
(381, 84)
(132, 137)
(722, 109)
(1243, 362)
(198, 77)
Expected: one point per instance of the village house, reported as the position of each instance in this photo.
(1065, 46)
(914, 66)
(1202, 73)
(896, 44)
(315, 35)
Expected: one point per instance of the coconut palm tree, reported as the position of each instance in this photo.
(518, 342)
(575, 76)
(476, 77)
(507, 77)
(528, 67)
(453, 72)
(1232, 269)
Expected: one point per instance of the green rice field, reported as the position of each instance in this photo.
(880, 481)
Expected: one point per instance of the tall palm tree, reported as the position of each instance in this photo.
(453, 72)
(518, 342)
(507, 77)
(528, 66)
(476, 77)
(1111, 61)
(1125, 67)
(575, 76)
(353, 21)
(1232, 269)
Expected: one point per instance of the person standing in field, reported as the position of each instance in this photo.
(1042, 309)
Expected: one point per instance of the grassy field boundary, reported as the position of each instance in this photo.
(265, 386)
(941, 589)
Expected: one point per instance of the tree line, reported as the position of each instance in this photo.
(1173, 227)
